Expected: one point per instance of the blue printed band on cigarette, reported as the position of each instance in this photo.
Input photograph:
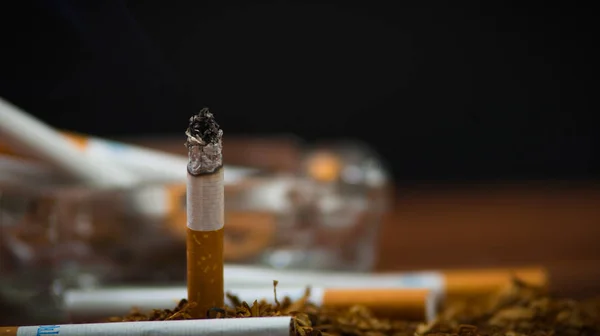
(253, 326)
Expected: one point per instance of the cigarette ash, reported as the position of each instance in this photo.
(203, 129)
(204, 143)
(517, 310)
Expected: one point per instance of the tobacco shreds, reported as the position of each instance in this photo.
(518, 310)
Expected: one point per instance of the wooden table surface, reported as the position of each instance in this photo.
(555, 224)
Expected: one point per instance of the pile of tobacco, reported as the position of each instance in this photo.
(517, 310)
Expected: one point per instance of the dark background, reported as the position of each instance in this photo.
(443, 90)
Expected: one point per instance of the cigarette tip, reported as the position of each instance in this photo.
(203, 129)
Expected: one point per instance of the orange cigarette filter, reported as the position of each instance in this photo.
(410, 304)
(8, 331)
(460, 284)
(205, 270)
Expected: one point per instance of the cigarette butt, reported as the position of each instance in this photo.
(468, 283)
(253, 326)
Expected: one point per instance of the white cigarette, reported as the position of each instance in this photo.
(253, 326)
(242, 276)
(149, 164)
(32, 135)
(419, 304)
(449, 283)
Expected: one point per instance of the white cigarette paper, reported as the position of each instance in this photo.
(206, 194)
(240, 276)
(120, 301)
(253, 326)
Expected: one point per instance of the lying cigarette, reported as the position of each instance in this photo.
(40, 140)
(105, 164)
(205, 214)
(162, 170)
(253, 326)
(148, 163)
(257, 281)
(410, 304)
(451, 284)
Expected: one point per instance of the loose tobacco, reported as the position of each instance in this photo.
(518, 310)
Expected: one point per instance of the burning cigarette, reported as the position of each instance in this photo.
(410, 304)
(253, 326)
(205, 214)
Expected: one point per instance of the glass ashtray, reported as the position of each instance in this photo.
(323, 216)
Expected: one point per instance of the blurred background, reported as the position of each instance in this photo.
(442, 91)
(479, 117)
